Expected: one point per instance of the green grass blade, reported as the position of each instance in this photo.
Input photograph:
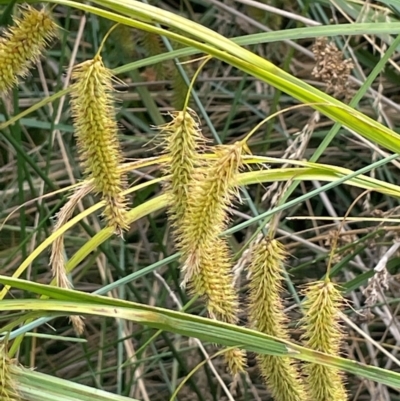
(184, 324)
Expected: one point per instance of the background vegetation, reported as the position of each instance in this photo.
(145, 353)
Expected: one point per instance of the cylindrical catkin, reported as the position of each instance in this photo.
(207, 212)
(267, 316)
(322, 332)
(181, 140)
(22, 44)
(96, 129)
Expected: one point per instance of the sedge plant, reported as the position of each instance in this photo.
(201, 185)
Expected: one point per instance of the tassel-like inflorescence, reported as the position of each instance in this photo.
(214, 282)
(22, 44)
(267, 316)
(205, 256)
(323, 333)
(207, 213)
(182, 141)
(199, 195)
(97, 133)
(8, 391)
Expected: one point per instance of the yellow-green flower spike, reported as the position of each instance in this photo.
(96, 129)
(199, 195)
(23, 43)
(267, 316)
(323, 333)
(207, 213)
(215, 283)
(182, 140)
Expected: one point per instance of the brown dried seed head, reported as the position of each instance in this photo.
(23, 43)
(92, 105)
(267, 316)
(57, 260)
(331, 67)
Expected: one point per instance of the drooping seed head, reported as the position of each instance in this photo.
(182, 141)
(235, 359)
(23, 43)
(322, 332)
(207, 213)
(199, 196)
(267, 316)
(214, 282)
(96, 130)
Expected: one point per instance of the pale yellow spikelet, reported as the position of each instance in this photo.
(78, 324)
(182, 141)
(96, 129)
(236, 361)
(267, 316)
(8, 391)
(22, 44)
(323, 333)
(207, 214)
(207, 267)
(214, 282)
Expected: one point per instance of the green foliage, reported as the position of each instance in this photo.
(135, 344)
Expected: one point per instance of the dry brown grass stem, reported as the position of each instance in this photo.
(57, 259)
